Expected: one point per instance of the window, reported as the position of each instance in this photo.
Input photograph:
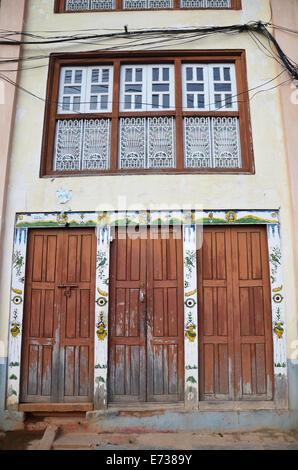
(100, 5)
(151, 113)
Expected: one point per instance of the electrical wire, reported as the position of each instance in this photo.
(57, 103)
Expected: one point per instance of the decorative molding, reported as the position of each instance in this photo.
(277, 301)
(16, 317)
(104, 221)
(191, 365)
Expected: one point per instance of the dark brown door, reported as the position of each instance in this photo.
(146, 347)
(235, 337)
(57, 351)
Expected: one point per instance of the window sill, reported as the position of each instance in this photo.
(146, 173)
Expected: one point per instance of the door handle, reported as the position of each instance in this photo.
(68, 288)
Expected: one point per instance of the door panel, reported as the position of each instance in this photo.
(57, 348)
(146, 318)
(165, 317)
(235, 340)
(127, 346)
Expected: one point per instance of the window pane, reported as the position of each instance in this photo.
(70, 90)
(222, 87)
(195, 80)
(155, 75)
(138, 102)
(99, 89)
(189, 73)
(93, 103)
(165, 74)
(166, 101)
(68, 76)
(105, 75)
(160, 87)
(127, 104)
(155, 101)
(128, 75)
(195, 87)
(216, 73)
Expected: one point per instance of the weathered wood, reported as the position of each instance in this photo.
(55, 407)
(235, 353)
(146, 334)
(57, 357)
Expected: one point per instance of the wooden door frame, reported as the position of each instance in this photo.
(103, 222)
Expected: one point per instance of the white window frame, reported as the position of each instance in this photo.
(85, 95)
(147, 87)
(209, 82)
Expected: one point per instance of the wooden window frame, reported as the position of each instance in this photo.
(59, 7)
(121, 58)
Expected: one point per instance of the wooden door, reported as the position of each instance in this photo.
(146, 317)
(57, 350)
(235, 337)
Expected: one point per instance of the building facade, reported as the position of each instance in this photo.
(148, 244)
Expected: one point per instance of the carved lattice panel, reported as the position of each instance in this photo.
(226, 142)
(79, 5)
(197, 142)
(96, 144)
(205, 3)
(212, 142)
(161, 142)
(82, 145)
(132, 152)
(146, 4)
(68, 145)
(147, 143)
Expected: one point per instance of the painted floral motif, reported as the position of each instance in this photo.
(15, 325)
(101, 260)
(278, 326)
(189, 262)
(190, 329)
(275, 257)
(191, 379)
(18, 263)
(101, 327)
(278, 329)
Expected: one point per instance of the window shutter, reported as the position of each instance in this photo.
(223, 89)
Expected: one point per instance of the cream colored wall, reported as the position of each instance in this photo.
(11, 17)
(267, 189)
(286, 14)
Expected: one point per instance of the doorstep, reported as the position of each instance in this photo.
(55, 407)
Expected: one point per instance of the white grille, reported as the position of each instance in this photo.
(79, 5)
(205, 3)
(82, 144)
(212, 142)
(226, 142)
(147, 143)
(145, 4)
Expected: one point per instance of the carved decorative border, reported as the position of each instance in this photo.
(104, 222)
